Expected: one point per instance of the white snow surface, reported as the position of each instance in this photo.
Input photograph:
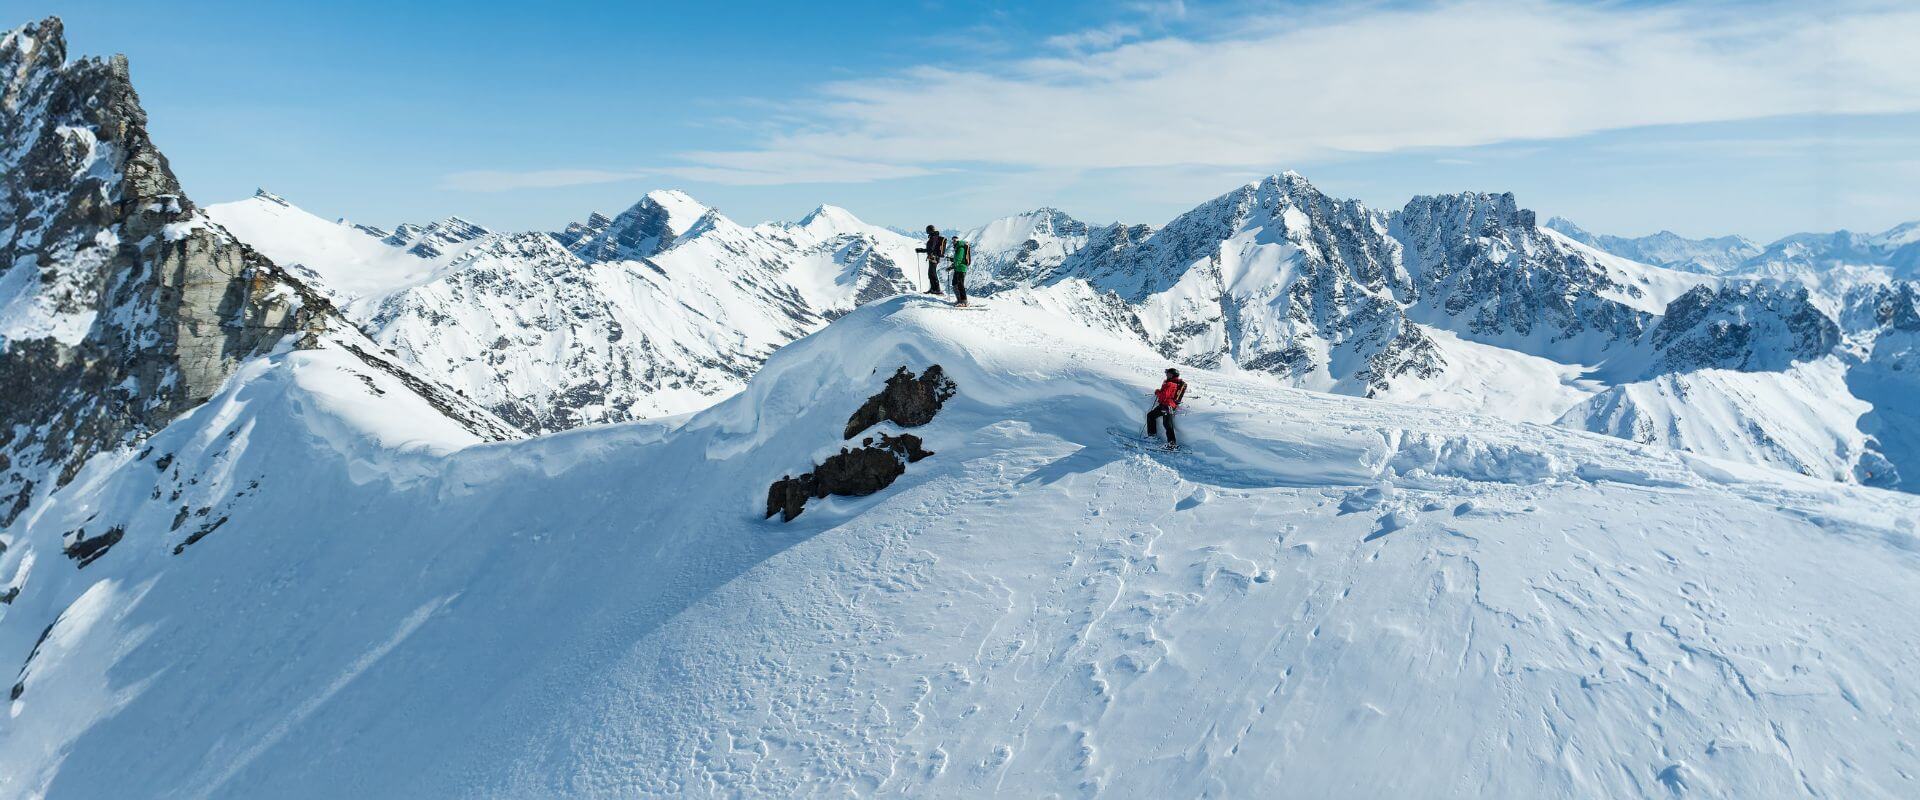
(345, 263)
(1802, 419)
(1323, 597)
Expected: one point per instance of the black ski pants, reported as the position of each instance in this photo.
(1161, 413)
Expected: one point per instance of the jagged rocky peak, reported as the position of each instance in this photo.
(1482, 267)
(1750, 326)
(263, 194)
(435, 239)
(1484, 214)
(577, 231)
(642, 231)
(370, 230)
(137, 306)
(831, 220)
(1015, 250)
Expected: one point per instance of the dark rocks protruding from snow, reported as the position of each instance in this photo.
(907, 401)
(86, 550)
(198, 535)
(853, 472)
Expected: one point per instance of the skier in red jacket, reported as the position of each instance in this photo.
(1167, 399)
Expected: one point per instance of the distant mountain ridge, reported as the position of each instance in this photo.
(1896, 249)
(1461, 300)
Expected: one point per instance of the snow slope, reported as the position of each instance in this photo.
(342, 261)
(1041, 608)
(1801, 419)
(662, 310)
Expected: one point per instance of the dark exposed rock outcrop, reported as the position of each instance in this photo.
(854, 472)
(907, 401)
(86, 549)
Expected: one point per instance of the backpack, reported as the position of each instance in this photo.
(962, 255)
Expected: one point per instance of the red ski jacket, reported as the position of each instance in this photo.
(1171, 393)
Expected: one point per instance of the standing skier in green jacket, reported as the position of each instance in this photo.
(962, 258)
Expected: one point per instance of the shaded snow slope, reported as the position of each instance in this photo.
(1801, 419)
(1041, 607)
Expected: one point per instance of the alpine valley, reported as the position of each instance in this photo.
(668, 504)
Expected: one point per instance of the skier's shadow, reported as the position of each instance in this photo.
(1085, 459)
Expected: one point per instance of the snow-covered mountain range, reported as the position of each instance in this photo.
(1461, 301)
(664, 504)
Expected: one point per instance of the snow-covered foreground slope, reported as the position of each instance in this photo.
(1321, 586)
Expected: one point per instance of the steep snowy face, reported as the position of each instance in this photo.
(552, 340)
(1750, 326)
(1802, 418)
(1889, 378)
(1715, 256)
(1275, 277)
(1014, 251)
(641, 231)
(549, 341)
(342, 261)
(837, 262)
(120, 304)
(1483, 269)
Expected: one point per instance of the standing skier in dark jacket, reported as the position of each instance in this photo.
(936, 247)
(1166, 400)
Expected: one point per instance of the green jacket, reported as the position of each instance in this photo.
(962, 255)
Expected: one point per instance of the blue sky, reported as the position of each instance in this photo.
(1706, 118)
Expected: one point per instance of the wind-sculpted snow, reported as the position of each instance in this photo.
(1043, 608)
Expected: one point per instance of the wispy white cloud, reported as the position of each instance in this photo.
(771, 167)
(1310, 84)
(504, 181)
(1096, 39)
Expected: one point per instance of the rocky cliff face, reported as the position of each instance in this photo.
(1482, 268)
(1747, 326)
(121, 306)
(1274, 276)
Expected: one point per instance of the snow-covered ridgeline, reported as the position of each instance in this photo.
(1041, 606)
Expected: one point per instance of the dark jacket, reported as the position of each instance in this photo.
(936, 246)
